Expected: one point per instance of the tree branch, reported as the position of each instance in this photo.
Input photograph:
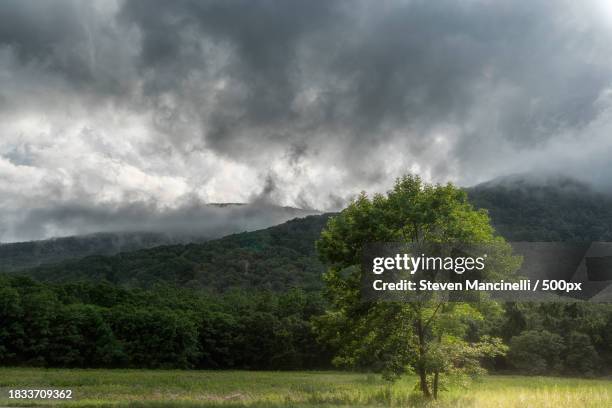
(433, 315)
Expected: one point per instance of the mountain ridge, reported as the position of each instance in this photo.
(275, 258)
(545, 208)
(240, 217)
(283, 256)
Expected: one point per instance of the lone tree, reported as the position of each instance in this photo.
(430, 337)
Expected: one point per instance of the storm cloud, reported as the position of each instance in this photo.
(107, 105)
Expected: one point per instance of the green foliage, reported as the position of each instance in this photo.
(277, 258)
(580, 355)
(22, 255)
(154, 337)
(537, 352)
(578, 329)
(428, 337)
(103, 325)
(81, 337)
(556, 210)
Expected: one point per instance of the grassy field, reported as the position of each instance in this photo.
(147, 388)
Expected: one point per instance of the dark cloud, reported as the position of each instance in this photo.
(77, 41)
(377, 69)
(38, 32)
(301, 103)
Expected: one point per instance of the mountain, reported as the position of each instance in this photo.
(275, 258)
(197, 225)
(283, 256)
(21, 255)
(545, 208)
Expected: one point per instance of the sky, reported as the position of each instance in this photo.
(115, 108)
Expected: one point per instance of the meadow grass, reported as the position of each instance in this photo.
(185, 389)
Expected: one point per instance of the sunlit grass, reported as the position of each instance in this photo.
(156, 388)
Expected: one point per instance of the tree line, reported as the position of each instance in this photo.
(104, 325)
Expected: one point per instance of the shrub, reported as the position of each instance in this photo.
(536, 352)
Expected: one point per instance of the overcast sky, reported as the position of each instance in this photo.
(111, 106)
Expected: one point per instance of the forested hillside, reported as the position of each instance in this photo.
(199, 224)
(22, 255)
(275, 258)
(549, 209)
(283, 256)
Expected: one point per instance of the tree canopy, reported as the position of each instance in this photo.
(426, 336)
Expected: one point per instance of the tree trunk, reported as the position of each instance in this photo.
(423, 382)
(421, 365)
(436, 380)
(435, 384)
